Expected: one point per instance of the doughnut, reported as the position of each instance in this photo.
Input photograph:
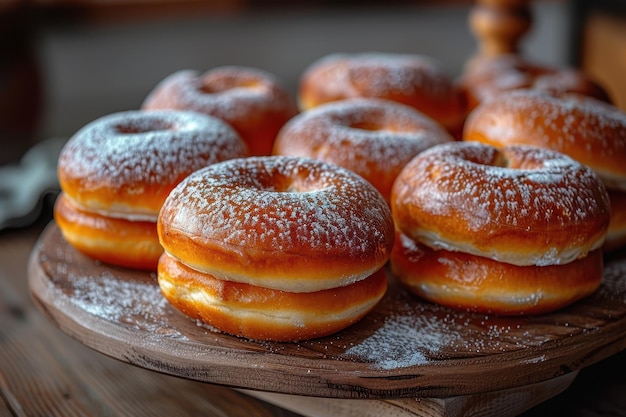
(510, 231)
(463, 281)
(277, 226)
(116, 172)
(487, 77)
(590, 131)
(260, 220)
(411, 79)
(113, 240)
(373, 137)
(519, 204)
(251, 100)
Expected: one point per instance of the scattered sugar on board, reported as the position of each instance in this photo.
(422, 334)
(406, 340)
(386, 348)
(138, 304)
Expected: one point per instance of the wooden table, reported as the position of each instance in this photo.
(45, 372)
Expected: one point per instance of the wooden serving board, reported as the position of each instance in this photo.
(405, 353)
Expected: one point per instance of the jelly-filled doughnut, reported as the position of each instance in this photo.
(264, 313)
(465, 281)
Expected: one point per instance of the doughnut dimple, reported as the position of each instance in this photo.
(373, 137)
(414, 80)
(251, 100)
(116, 172)
(287, 223)
(521, 205)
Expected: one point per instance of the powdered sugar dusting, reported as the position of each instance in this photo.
(589, 130)
(584, 119)
(134, 151)
(386, 348)
(241, 203)
(538, 191)
(231, 93)
(155, 143)
(378, 74)
(138, 304)
(468, 181)
(368, 136)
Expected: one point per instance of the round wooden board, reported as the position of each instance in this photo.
(404, 348)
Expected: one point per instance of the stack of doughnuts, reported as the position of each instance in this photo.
(251, 100)
(373, 137)
(510, 231)
(116, 172)
(275, 248)
(591, 131)
(411, 79)
(487, 77)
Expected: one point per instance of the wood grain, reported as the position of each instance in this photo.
(405, 348)
(504, 403)
(43, 372)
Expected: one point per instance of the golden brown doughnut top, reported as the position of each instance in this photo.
(264, 219)
(124, 164)
(591, 131)
(415, 80)
(373, 137)
(523, 205)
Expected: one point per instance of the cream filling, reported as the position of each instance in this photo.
(116, 211)
(519, 298)
(553, 256)
(297, 283)
(274, 313)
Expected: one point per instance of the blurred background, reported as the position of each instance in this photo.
(64, 63)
